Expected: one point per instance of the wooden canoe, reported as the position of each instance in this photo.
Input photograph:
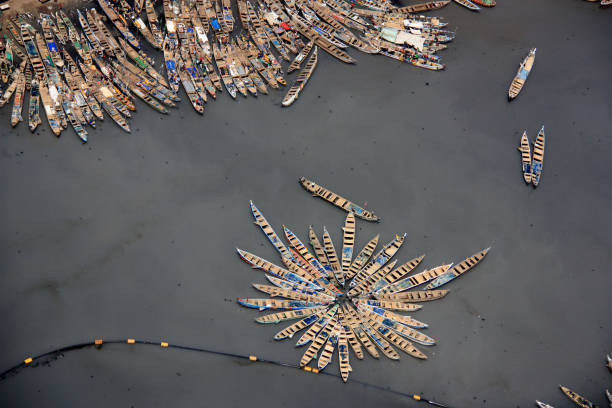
(389, 304)
(352, 320)
(16, 116)
(485, 3)
(401, 329)
(525, 150)
(362, 258)
(327, 195)
(34, 106)
(261, 221)
(322, 322)
(301, 79)
(576, 399)
(538, 157)
(348, 242)
(284, 304)
(318, 250)
(468, 4)
(330, 251)
(350, 335)
(274, 318)
(379, 260)
(406, 320)
(318, 340)
(413, 296)
(414, 280)
(418, 8)
(364, 286)
(458, 270)
(397, 273)
(521, 75)
(343, 354)
(301, 56)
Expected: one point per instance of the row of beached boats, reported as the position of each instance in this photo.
(346, 300)
(93, 61)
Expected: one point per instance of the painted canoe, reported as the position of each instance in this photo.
(485, 3)
(261, 221)
(525, 150)
(327, 195)
(348, 242)
(34, 106)
(418, 8)
(576, 399)
(362, 258)
(301, 56)
(538, 157)
(521, 75)
(302, 79)
(322, 322)
(413, 296)
(414, 280)
(379, 260)
(290, 331)
(330, 251)
(398, 273)
(265, 304)
(458, 270)
(468, 4)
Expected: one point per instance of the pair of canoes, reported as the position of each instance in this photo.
(532, 164)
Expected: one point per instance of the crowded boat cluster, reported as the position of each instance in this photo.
(340, 299)
(95, 64)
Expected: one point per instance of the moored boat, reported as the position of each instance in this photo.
(521, 75)
(525, 150)
(320, 191)
(16, 116)
(576, 398)
(34, 106)
(468, 4)
(302, 79)
(538, 157)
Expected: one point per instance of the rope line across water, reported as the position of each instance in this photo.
(29, 361)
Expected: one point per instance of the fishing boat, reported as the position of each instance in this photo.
(378, 260)
(50, 23)
(52, 47)
(576, 399)
(28, 76)
(34, 106)
(468, 4)
(301, 79)
(525, 150)
(154, 22)
(228, 16)
(142, 63)
(458, 270)
(10, 90)
(138, 4)
(93, 40)
(77, 84)
(381, 286)
(224, 71)
(49, 108)
(62, 31)
(18, 101)
(521, 75)
(320, 38)
(32, 51)
(538, 157)
(348, 242)
(193, 72)
(134, 17)
(108, 42)
(327, 195)
(540, 404)
(485, 3)
(119, 22)
(196, 100)
(418, 8)
(170, 57)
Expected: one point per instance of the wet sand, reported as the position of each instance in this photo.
(134, 235)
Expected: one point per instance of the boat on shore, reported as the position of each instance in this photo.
(521, 75)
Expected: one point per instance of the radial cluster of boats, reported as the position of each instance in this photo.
(344, 298)
(81, 68)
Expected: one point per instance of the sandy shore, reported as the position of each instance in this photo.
(135, 235)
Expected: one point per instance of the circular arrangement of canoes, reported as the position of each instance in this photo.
(343, 303)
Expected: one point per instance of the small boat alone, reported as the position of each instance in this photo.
(320, 191)
(538, 158)
(525, 150)
(543, 405)
(468, 4)
(521, 75)
(576, 399)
